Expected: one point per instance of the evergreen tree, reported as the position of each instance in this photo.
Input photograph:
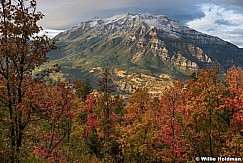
(83, 88)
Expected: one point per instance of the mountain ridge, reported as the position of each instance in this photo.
(141, 43)
(158, 21)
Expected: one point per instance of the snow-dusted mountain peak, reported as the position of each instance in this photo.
(158, 21)
(146, 40)
(139, 23)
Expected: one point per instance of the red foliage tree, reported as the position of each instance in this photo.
(234, 100)
(169, 117)
(56, 118)
(232, 104)
(21, 51)
(205, 126)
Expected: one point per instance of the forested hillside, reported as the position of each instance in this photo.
(42, 120)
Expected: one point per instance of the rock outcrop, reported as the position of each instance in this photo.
(142, 42)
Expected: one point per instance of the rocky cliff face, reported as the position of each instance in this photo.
(155, 44)
(149, 40)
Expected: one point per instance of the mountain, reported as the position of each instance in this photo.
(142, 44)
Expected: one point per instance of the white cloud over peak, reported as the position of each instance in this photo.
(50, 32)
(215, 17)
(219, 21)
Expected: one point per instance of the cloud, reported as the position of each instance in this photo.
(233, 2)
(215, 17)
(63, 14)
(224, 22)
(210, 29)
(221, 22)
(237, 31)
(50, 32)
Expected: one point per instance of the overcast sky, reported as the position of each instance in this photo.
(223, 18)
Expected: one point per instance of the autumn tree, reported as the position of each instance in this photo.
(170, 116)
(205, 126)
(21, 51)
(137, 128)
(100, 116)
(232, 106)
(54, 126)
(152, 129)
(234, 98)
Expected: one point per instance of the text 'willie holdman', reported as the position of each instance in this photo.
(222, 159)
